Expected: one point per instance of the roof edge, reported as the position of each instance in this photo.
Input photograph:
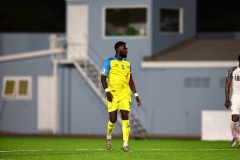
(188, 64)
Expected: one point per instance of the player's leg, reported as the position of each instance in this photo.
(112, 110)
(239, 128)
(125, 129)
(111, 123)
(125, 107)
(235, 112)
(234, 127)
(110, 127)
(235, 99)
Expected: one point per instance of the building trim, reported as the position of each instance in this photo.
(188, 64)
(34, 54)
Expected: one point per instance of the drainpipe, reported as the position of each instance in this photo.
(55, 77)
(53, 46)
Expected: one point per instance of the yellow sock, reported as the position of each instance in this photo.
(110, 127)
(125, 130)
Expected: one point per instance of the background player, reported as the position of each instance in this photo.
(233, 77)
(117, 70)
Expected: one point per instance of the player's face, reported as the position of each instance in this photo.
(123, 51)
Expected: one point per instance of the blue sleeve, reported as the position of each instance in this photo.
(106, 67)
(130, 68)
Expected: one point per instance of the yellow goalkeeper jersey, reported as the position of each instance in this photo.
(118, 75)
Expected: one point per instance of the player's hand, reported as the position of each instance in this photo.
(138, 101)
(109, 96)
(227, 103)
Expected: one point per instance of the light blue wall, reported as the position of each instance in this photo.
(81, 111)
(167, 106)
(99, 50)
(162, 41)
(173, 109)
(105, 47)
(21, 115)
(22, 42)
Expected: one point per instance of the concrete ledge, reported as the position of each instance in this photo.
(187, 64)
(117, 136)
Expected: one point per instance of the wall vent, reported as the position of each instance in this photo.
(197, 82)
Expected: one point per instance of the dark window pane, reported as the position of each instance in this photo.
(169, 20)
(23, 87)
(9, 88)
(126, 22)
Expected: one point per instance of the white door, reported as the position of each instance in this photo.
(47, 109)
(77, 32)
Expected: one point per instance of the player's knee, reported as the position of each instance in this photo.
(124, 117)
(235, 118)
(113, 120)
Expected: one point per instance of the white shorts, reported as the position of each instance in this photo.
(235, 107)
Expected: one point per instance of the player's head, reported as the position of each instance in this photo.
(121, 49)
(239, 58)
(118, 44)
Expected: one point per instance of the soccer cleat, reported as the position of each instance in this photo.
(234, 141)
(126, 149)
(108, 144)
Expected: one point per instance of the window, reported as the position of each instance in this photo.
(125, 21)
(171, 20)
(17, 87)
(9, 88)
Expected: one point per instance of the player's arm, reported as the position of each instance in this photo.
(105, 87)
(104, 81)
(133, 88)
(104, 74)
(227, 91)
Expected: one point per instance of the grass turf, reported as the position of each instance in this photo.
(94, 149)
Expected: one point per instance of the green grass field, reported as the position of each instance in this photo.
(94, 149)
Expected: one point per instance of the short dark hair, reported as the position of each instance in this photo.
(118, 44)
(239, 57)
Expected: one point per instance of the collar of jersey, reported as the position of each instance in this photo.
(118, 59)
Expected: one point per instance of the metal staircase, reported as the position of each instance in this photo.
(91, 74)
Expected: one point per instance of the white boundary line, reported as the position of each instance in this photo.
(85, 149)
(150, 149)
(157, 149)
(187, 149)
(23, 150)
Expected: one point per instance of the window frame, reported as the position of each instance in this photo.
(15, 95)
(181, 20)
(125, 7)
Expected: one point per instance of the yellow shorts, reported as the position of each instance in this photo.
(123, 104)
